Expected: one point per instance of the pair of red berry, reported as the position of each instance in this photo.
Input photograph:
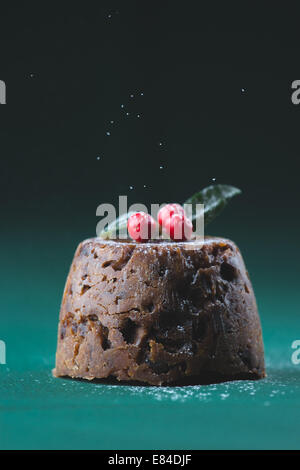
(171, 218)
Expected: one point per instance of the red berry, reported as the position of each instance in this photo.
(168, 211)
(178, 227)
(140, 226)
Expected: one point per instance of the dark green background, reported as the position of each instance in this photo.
(68, 69)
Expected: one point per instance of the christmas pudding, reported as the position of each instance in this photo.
(159, 312)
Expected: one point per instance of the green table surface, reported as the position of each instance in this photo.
(42, 412)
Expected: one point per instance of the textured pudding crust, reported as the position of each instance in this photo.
(159, 313)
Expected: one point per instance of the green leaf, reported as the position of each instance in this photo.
(214, 198)
(117, 227)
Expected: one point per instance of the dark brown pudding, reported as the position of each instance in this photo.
(159, 313)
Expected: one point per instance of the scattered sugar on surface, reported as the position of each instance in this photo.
(281, 384)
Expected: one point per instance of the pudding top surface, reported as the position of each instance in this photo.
(208, 240)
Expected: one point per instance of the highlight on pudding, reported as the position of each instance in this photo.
(152, 311)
